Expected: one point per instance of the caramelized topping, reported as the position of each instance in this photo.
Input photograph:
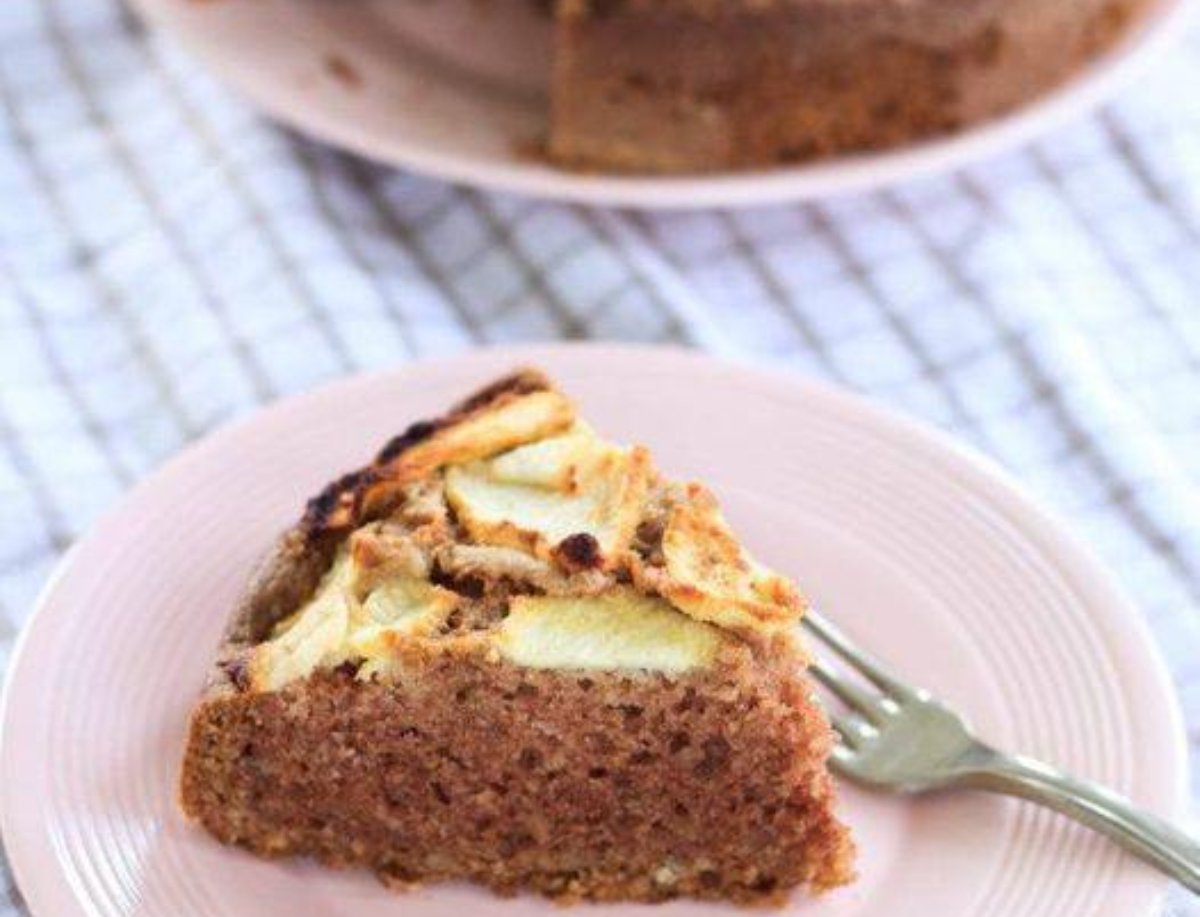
(509, 526)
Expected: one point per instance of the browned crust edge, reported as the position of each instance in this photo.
(357, 497)
(290, 571)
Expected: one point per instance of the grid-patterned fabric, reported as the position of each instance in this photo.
(169, 260)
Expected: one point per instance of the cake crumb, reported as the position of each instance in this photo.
(343, 71)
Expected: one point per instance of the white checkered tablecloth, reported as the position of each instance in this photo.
(169, 260)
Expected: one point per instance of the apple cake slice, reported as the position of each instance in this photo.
(511, 652)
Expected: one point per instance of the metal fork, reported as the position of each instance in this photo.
(904, 738)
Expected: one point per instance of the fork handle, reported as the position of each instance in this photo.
(1141, 833)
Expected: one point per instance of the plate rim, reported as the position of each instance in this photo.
(1160, 28)
(1065, 547)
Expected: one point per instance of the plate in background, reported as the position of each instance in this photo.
(414, 85)
(920, 549)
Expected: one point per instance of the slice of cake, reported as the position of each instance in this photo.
(509, 651)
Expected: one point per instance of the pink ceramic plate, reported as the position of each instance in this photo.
(923, 552)
(456, 89)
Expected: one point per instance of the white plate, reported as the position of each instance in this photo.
(922, 551)
(435, 91)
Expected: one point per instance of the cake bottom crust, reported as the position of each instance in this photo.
(577, 786)
(644, 91)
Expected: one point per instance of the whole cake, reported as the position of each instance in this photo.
(509, 651)
(696, 85)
